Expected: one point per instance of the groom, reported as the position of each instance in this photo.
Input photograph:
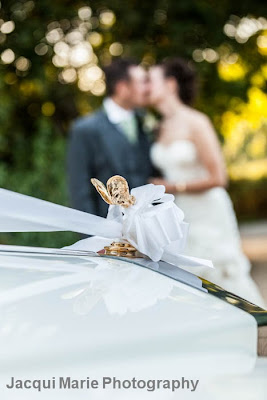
(111, 141)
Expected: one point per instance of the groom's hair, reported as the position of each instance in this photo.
(116, 72)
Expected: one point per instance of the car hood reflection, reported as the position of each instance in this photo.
(121, 287)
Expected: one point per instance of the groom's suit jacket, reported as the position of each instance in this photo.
(99, 149)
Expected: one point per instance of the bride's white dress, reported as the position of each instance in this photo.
(213, 231)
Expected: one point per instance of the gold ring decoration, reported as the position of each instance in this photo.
(117, 193)
(121, 249)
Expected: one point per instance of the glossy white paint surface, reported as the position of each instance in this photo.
(96, 316)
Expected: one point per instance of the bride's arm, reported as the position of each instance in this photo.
(210, 155)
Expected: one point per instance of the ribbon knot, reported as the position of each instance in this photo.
(155, 225)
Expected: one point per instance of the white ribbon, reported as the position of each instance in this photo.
(21, 213)
(154, 225)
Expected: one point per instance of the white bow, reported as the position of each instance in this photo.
(154, 224)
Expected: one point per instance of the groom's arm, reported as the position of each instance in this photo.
(80, 168)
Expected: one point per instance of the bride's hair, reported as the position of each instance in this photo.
(185, 76)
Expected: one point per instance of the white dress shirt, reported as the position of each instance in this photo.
(125, 119)
(116, 114)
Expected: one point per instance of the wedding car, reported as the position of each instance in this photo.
(114, 316)
(69, 319)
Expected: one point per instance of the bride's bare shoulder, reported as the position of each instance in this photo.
(197, 117)
(199, 122)
(201, 127)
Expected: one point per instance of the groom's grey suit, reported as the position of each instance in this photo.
(99, 149)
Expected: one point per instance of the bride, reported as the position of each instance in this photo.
(188, 154)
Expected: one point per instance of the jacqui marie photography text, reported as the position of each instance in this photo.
(106, 382)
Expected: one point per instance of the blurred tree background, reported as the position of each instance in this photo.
(51, 54)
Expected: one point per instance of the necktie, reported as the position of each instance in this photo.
(129, 127)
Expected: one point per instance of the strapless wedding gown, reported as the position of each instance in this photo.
(213, 231)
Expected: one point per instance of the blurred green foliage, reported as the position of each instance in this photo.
(36, 106)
